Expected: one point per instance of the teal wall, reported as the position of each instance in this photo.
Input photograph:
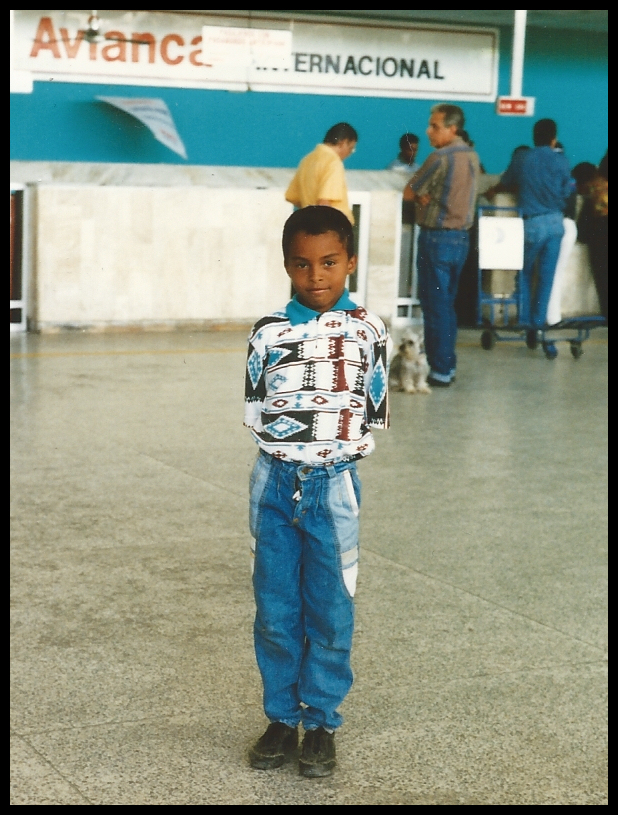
(565, 71)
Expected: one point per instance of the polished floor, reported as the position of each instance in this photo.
(480, 650)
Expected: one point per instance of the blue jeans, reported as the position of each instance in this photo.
(441, 256)
(542, 239)
(305, 524)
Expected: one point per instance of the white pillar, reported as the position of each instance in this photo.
(519, 44)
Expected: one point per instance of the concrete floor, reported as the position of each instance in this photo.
(480, 651)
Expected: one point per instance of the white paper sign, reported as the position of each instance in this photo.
(258, 48)
(153, 113)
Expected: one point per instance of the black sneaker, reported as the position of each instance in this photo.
(271, 749)
(317, 759)
(532, 338)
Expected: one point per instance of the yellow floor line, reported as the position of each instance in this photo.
(142, 352)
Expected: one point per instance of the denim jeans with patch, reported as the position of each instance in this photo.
(441, 256)
(304, 521)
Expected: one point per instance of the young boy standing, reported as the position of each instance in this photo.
(316, 383)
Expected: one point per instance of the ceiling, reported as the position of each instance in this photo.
(573, 19)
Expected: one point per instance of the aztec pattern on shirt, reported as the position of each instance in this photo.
(313, 390)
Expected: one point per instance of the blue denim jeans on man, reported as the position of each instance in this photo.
(542, 238)
(441, 256)
(305, 524)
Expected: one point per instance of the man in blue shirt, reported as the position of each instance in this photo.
(541, 180)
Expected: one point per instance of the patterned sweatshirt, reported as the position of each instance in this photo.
(316, 383)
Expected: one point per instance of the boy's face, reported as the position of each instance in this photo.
(318, 266)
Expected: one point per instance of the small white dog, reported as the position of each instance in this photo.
(409, 368)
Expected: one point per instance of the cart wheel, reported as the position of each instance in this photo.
(576, 350)
(488, 340)
(550, 350)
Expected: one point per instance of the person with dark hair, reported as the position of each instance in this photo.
(444, 192)
(584, 173)
(541, 180)
(406, 158)
(545, 132)
(339, 133)
(320, 177)
(593, 223)
(316, 383)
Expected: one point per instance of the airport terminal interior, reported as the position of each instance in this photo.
(151, 151)
(480, 647)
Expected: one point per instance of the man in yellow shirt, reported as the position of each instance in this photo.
(320, 178)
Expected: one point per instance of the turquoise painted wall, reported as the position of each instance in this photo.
(565, 71)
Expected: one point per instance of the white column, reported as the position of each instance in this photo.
(519, 44)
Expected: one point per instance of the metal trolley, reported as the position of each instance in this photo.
(501, 259)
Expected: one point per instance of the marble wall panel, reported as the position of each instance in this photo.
(122, 255)
(110, 256)
(384, 250)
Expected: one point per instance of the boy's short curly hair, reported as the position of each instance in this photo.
(317, 220)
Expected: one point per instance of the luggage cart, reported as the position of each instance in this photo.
(581, 326)
(501, 250)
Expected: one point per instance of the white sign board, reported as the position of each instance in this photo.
(501, 243)
(419, 62)
(280, 55)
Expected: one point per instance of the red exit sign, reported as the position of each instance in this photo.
(515, 106)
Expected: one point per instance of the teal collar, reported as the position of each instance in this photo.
(298, 314)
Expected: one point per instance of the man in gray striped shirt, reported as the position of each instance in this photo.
(444, 193)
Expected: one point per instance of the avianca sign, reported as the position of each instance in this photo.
(202, 51)
(116, 46)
